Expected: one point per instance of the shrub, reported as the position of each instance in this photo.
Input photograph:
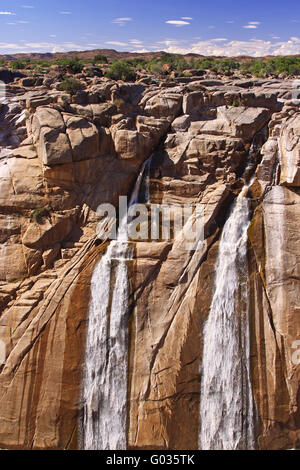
(294, 69)
(175, 61)
(18, 65)
(170, 62)
(227, 66)
(73, 65)
(156, 68)
(138, 63)
(278, 65)
(119, 103)
(207, 64)
(70, 85)
(121, 70)
(100, 59)
(38, 215)
(41, 63)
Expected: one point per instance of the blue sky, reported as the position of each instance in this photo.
(180, 26)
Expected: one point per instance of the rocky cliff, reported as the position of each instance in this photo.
(61, 157)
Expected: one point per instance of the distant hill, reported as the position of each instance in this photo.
(109, 53)
(113, 54)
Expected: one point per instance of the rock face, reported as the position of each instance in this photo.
(61, 158)
(290, 153)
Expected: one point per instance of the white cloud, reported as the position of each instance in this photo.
(52, 36)
(141, 51)
(178, 23)
(230, 22)
(56, 49)
(27, 6)
(6, 13)
(171, 42)
(121, 21)
(252, 25)
(116, 43)
(65, 12)
(186, 18)
(5, 46)
(14, 23)
(216, 46)
(254, 47)
(71, 46)
(38, 45)
(53, 47)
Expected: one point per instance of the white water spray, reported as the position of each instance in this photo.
(105, 377)
(226, 409)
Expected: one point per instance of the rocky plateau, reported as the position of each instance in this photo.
(63, 155)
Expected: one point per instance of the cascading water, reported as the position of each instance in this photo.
(105, 377)
(226, 409)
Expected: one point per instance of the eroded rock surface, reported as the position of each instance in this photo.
(66, 155)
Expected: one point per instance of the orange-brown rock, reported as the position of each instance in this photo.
(206, 139)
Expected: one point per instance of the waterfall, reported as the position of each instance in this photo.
(105, 375)
(276, 178)
(226, 409)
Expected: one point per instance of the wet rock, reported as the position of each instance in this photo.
(80, 155)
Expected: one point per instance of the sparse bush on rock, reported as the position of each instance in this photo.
(121, 70)
(70, 85)
(73, 65)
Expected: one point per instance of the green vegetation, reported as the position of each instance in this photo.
(138, 63)
(32, 64)
(18, 65)
(38, 215)
(121, 70)
(286, 66)
(156, 68)
(70, 85)
(100, 59)
(126, 69)
(40, 65)
(74, 65)
(119, 103)
(167, 62)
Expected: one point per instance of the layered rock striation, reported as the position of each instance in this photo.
(61, 157)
